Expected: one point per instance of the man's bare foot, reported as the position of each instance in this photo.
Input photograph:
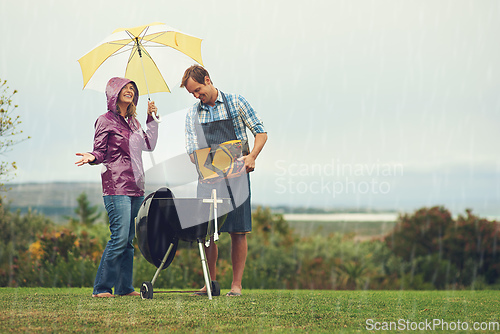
(236, 289)
(202, 292)
(233, 294)
(103, 295)
(133, 293)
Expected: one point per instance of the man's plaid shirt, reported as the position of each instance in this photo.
(240, 110)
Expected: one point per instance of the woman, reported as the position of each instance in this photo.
(118, 144)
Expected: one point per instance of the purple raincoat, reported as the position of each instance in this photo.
(118, 145)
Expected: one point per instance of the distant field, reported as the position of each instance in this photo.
(364, 226)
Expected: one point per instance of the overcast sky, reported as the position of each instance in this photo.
(382, 104)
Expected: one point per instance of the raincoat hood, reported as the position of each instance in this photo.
(113, 89)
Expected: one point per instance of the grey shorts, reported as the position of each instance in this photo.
(238, 220)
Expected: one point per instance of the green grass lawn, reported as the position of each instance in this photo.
(36, 310)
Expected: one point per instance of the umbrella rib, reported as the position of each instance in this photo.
(145, 32)
(155, 45)
(144, 42)
(149, 56)
(120, 52)
(134, 48)
(116, 43)
(130, 35)
(152, 39)
(134, 51)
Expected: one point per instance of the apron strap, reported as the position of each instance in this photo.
(244, 143)
(226, 105)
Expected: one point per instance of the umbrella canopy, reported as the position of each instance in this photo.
(154, 56)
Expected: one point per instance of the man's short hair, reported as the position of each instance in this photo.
(197, 73)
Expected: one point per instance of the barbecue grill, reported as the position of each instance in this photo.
(163, 220)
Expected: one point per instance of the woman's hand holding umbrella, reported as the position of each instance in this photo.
(153, 110)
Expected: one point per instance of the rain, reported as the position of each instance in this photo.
(359, 82)
(372, 107)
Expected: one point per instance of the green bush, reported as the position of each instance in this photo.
(60, 258)
(69, 271)
(445, 252)
(18, 232)
(35, 252)
(426, 250)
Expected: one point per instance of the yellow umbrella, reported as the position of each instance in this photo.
(154, 56)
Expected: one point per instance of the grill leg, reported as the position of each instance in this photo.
(162, 264)
(206, 272)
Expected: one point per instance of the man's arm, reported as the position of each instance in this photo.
(260, 141)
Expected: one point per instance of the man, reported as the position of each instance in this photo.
(217, 118)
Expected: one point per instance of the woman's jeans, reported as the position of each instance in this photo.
(117, 260)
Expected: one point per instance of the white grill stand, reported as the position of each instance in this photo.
(213, 216)
(206, 271)
(162, 264)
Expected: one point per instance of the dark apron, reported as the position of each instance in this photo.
(237, 189)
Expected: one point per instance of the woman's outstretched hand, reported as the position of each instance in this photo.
(86, 158)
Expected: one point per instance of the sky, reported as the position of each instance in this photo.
(384, 105)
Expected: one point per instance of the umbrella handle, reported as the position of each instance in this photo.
(157, 119)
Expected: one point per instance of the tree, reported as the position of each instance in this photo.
(9, 133)
(473, 247)
(420, 234)
(447, 251)
(87, 214)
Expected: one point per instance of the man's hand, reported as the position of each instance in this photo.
(249, 163)
(260, 140)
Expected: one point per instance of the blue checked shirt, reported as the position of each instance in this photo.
(242, 113)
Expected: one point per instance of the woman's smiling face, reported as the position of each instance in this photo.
(127, 94)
